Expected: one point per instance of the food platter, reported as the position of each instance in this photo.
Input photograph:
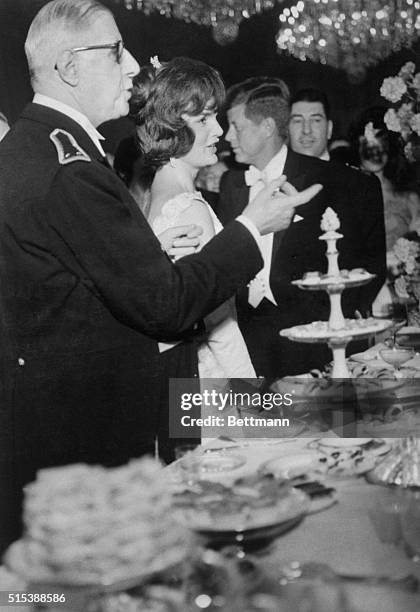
(375, 447)
(350, 456)
(97, 529)
(298, 464)
(324, 391)
(263, 524)
(215, 463)
(252, 508)
(251, 535)
(16, 560)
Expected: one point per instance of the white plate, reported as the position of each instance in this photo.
(17, 560)
(295, 505)
(333, 444)
(343, 442)
(409, 329)
(370, 355)
(291, 466)
(211, 463)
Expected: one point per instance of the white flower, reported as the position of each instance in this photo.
(416, 84)
(410, 265)
(405, 249)
(155, 62)
(404, 91)
(392, 121)
(393, 88)
(407, 70)
(416, 290)
(405, 114)
(400, 286)
(415, 123)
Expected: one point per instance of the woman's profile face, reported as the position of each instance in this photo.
(207, 132)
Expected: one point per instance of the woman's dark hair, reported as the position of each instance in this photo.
(129, 163)
(161, 96)
(397, 168)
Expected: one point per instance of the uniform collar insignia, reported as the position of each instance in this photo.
(67, 148)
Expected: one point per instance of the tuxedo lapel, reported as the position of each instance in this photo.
(294, 171)
(240, 194)
(297, 179)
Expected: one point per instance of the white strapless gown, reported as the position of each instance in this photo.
(224, 353)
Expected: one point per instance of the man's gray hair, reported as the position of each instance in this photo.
(52, 26)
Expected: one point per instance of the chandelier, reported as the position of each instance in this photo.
(223, 16)
(348, 34)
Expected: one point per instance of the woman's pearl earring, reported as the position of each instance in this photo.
(172, 162)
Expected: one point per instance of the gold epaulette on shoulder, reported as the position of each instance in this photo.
(67, 148)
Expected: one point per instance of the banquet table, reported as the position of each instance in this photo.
(341, 536)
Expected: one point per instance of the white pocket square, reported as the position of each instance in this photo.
(297, 218)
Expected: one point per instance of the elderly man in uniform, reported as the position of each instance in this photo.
(86, 289)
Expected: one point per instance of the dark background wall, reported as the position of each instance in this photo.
(253, 53)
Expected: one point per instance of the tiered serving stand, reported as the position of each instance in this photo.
(337, 331)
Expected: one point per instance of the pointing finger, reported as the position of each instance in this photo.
(297, 198)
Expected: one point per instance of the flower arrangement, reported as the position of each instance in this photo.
(407, 276)
(405, 118)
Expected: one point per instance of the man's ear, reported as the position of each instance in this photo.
(67, 67)
(269, 125)
(330, 129)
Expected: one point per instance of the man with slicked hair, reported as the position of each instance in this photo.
(310, 124)
(258, 116)
(86, 289)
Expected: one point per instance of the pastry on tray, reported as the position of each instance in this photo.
(92, 525)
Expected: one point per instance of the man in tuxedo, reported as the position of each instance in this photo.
(86, 289)
(258, 115)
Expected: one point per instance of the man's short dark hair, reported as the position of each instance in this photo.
(263, 97)
(311, 94)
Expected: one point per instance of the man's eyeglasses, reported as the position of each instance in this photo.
(117, 48)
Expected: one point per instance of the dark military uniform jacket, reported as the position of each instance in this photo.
(357, 200)
(86, 292)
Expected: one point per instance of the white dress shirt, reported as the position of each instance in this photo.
(259, 287)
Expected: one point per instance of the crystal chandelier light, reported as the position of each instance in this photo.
(223, 16)
(348, 34)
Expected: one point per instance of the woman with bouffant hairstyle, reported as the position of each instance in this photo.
(175, 108)
(162, 95)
